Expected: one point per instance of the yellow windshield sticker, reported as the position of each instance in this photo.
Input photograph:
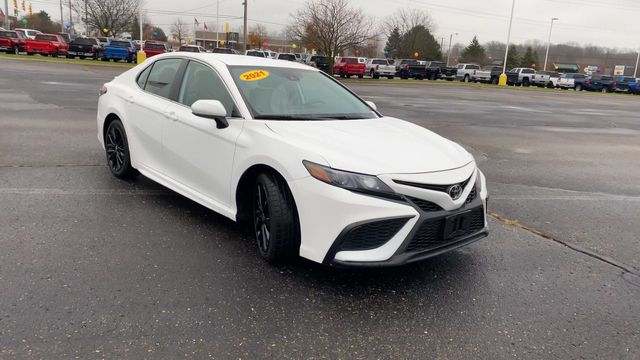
(254, 75)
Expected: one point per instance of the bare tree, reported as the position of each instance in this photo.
(257, 35)
(331, 27)
(406, 19)
(179, 29)
(115, 16)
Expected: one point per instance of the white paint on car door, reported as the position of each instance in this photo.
(196, 153)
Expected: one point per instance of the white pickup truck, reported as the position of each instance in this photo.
(380, 67)
(466, 72)
(547, 79)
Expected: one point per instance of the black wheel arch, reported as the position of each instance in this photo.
(244, 191)
(107, 121)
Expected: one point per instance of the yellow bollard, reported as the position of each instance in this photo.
(503, 80)
(141, 57)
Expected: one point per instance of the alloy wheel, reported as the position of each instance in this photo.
(115, 149)
(262, 219)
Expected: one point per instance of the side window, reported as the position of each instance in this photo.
(162, 77)
(143, 76)
(202, 83)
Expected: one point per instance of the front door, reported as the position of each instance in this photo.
(196, 153)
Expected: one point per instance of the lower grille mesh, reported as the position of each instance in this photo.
(372, 235)
(430, 235)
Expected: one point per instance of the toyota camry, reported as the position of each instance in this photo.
(313, 169)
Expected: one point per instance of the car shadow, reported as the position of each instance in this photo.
(443, 276)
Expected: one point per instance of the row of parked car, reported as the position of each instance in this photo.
(435, 70)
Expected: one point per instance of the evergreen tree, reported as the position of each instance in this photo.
(530, 58)
(513, 59)
(419, 39)
(474, 53)
(394, 43)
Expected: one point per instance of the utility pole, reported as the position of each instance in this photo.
(441, 43)
(6, 14)
(70, 18)
(635, 70)
(61, 18)
(245, 25)
(503, 76)
(450, 41)
(217, 23)
(546, 57)
(86, 18)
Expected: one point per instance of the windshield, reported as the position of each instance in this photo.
(46, 38)
(296, 94)
(350, 60)
(189, 49)
(119, 44)
(8, 34)
(255, 53)
(410, 62)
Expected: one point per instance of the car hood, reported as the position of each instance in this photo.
(374, 146)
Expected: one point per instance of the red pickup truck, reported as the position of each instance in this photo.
(348, 66)
(12, 42)
(47, 44)
(152, 48)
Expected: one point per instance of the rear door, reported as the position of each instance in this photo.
(146, 111)
(197, 154)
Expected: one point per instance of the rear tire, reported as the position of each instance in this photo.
(525, 82)
(466, 78)
(390, 77)
(275, 221)
(578, 87)
(117, 151)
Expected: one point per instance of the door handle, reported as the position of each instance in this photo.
(171, 116)
(131, 100)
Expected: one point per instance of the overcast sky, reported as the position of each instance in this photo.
(613, 23)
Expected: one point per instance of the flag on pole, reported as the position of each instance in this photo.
(206, 28)
(195, 21)
(24, 7)
(30, 9)
(1, 14)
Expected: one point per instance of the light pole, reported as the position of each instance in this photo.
(503, 76)
(217, 23)
(245, 25)
(635, 70)
(450, 41)
(6, 14)
(546, 57)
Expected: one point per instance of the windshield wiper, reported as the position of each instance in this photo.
(278, 117)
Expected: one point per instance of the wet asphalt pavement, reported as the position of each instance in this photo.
(95, 267)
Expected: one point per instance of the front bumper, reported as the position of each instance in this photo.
(430, 226)
(389, 232)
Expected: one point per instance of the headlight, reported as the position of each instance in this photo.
(348, 180)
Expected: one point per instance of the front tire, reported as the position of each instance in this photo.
(117, 151)
(275, 222)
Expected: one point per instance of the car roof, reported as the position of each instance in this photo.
(237, 60)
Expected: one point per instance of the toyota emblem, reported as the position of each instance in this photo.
(455, 191)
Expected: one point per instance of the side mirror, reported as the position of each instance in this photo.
(211, 109)
(372, 105)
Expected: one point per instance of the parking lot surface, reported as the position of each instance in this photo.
(93, 267)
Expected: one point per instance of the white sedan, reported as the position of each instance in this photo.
(315, 170)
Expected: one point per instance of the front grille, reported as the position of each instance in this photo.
(441, 188)
(430, 235)
(472, 195)
(425, 205)
(371, 235)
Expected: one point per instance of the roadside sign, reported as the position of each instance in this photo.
(619, 70)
